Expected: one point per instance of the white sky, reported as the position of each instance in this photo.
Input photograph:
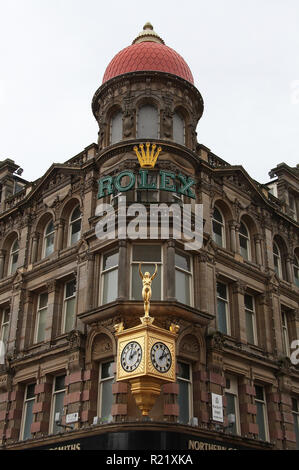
(244, 56)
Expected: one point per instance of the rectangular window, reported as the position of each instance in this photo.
(184, 379)
(69, 308)
(148, 255)
(105, 390)
(41, 317)
(57, 402)
(183, 277)
(261, 416)
(249, 302)
(285, 333)
(232, 403)
(295, 411)
(222, 309)
(109, 277)
(27, 417)
(4, 325)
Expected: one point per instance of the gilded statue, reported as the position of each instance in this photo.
(147, 288)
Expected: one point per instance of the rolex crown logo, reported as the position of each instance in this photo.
(147, 158)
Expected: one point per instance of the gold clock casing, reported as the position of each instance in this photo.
(146, 335)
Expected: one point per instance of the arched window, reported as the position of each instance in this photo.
(244, 241)
(75, 226)
(116, 128)
(178, 129)
(147, 122)
(48, 246)
(296, 270)
(13, 258)
(218, 228)
(277, 259)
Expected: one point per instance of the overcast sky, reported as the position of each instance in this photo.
(244, 56)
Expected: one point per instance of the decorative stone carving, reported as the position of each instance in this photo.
(128, 124)
(102, 346)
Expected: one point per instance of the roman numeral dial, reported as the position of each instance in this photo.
(131, 356)
(161, 357)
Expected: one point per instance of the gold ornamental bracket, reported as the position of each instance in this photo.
(147, 158)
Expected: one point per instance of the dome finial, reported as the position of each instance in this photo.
(148, 34)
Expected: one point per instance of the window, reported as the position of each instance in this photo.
(75, 226)
(109, 277)
(222, 309)
(49, 239)
(218, 228)
(296, 270)
(27, 417)
(105, 390)
(4, 325)
(295, 411)
(277, 259)
(149, 255)
(285, 333)
(178, 129)
(183, 278)
(292, 205)
(116, 128)
(41, 317)
(232, 403)
(249, 302)
(57, 402)
(185, 392)
(261, 416)
(244, 241)
(147, 122)
(13, 258)
(69, 308)
(149, 195)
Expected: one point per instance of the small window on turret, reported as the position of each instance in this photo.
(178, 129)
(116, 128)
(147, 122)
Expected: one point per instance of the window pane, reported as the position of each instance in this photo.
(70, 314)
(259, 393)
(28, 419)
(42, 325)
(106, 370)
(178, 129)
(221, 290)
(49, 248)
(296, 429)
(221, 316)
(248, 300)
(217, 216)
(147, 253)
(182, 287)
(30, 391)
(217, 233)
(183, 401)
(116, 128)
(184, 370)
(76, 214)
(58, 408)
(244, 247)
(110, 286)
(59, 383)
(70, 289)
(76, 231)
(182, 261)
(231, 409)
(110, 260)
(137, 282)
(43, 300)
(243, 229)
(148, 122)
(261, 421)
(106, 398)
(249, 327)
(50, 228)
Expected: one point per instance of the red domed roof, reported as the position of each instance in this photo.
(149, 53)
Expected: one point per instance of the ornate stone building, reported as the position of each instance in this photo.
(62, 289)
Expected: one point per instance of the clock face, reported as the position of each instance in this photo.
(131, 356)
(161, 357)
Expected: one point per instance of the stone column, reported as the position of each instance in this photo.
(232, 231)
(258, 249)
(239, 324)
(202, 281)
(34, 247)
(123, 273)
(170, 270)
(89, 296)
(59, 228)
(2, 259)
(52, 314)
(237, 227)
(290, 271)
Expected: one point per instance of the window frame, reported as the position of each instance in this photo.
(53, 402)
(296, 269)
(234, 391)
(253, 316)
(4, 324)
(189, 273)
(190, 388)
(144, 105)
(227, 310)
(161, 263)
(103, 272)
(24, 412)
(112, 117)
(71, 222)
(65, 302)
(265, 412)
(11, 254)
(222, 225)
(295, 413)
(285, 332)
(248, 239)
(278, 257)
(181, 117)
(37, 319)
(47, 235)
(100, 386)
